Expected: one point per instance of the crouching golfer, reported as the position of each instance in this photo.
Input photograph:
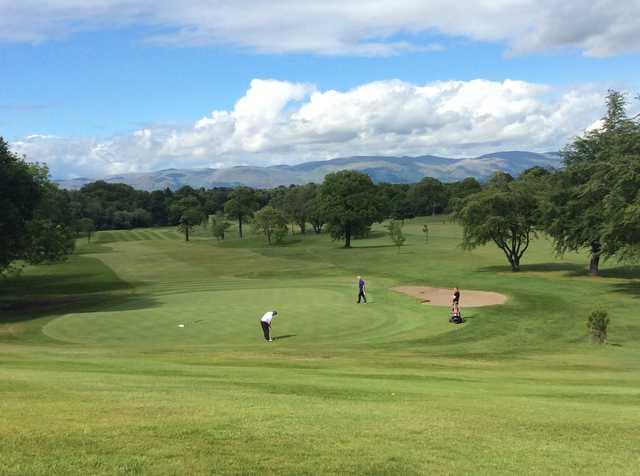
(265, 323)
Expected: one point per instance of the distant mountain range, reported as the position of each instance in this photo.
(379, 168)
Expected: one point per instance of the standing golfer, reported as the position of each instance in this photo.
(361, 290)
(265, 323)
(456, 300)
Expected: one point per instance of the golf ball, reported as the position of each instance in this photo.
(180, 325)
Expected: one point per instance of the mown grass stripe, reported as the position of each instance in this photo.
(155, 235)
(136, 235)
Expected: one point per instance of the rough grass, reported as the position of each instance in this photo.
(96, 377)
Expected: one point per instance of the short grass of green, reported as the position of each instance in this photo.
(97, 377)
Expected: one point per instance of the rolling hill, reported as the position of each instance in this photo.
(379, 168)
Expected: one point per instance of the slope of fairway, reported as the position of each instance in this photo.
(97, 377)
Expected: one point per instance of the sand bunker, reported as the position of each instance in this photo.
(442, 296)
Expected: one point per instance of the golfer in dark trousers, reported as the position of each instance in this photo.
(361, 290)
(265, 323)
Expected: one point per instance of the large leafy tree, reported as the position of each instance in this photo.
(428, 196)
(272, 223)
(298, 204)
(189, 214)
(214, 200)
(20, 193)
(86, 226)
(348, 200)
(617, 172)
(158, 206)
(621, 231)
(594, 204)
(316, 218)
(396, 202)
(35, 218)
(241, 204)
(457, 191)
(52, 231)
(505, 214)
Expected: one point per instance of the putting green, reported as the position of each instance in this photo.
(230, 319)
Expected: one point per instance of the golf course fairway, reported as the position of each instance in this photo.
(97, 376)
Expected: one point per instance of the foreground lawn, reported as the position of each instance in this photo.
(96, 377)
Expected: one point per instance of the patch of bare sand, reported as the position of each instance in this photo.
(444, 297)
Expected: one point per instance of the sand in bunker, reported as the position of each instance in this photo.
(443, 296)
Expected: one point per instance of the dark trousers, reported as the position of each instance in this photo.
(361, 296)
(266, 329)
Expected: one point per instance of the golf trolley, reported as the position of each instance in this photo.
(456, 318)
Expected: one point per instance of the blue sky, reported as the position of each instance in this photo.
(81, 88)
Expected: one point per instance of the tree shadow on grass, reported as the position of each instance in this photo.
(70, 284)
(631, 288)
(570, 269)
(364, 247)
(625, 272)
(24, 310)
(286, 242)
(66, 289)
(93, 249)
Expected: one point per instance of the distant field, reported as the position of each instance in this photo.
(96, 377)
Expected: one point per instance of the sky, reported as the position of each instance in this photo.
(99, 87)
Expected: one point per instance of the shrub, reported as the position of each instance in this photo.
(219, 225)
(280, 233)
(597, 324)
(395, 233)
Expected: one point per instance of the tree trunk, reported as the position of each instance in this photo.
(594, 263)
(186, 233)
(510, 253)
(240, 226)
(303, 228)
(347, 238)
(515, 264)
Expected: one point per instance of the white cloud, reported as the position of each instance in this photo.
(361, 27)
(284, 122)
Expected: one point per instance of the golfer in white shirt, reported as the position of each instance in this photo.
(265, 323)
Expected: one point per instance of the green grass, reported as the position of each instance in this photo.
(96, 377)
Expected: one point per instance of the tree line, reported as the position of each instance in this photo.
(119, 206)
(591, 203)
